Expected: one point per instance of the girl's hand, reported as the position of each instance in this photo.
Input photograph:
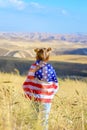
(42, 64)
(39, 66)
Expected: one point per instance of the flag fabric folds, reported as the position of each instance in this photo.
(41, 85)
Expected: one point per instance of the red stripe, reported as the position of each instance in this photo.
(40, 85)
(30, 77)
(38, 91)
(34, 64)
(38, 99)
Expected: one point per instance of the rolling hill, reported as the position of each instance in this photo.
(22, 44)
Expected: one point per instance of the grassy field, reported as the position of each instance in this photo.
(68, 112)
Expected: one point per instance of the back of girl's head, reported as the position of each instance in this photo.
(42, 53)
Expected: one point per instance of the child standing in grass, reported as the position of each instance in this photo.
(41, 85)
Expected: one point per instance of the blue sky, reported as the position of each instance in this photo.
(52, 16)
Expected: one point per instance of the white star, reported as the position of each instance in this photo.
(46, 72)
(45, 77)
(42, 73)
(39, 70)
(39, 76)
(49, 69)
(45, 67)
(48, 65)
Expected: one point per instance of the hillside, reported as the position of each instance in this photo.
(63, 68)
(22, 44)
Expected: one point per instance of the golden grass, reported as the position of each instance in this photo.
(68, 112)
(70, 58)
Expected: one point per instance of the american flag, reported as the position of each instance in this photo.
(41, 85)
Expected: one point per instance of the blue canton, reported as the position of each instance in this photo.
(46, 72)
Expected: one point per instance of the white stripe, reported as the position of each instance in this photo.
(39, 95)
(39, 82)
(31, 73)
(41, 89)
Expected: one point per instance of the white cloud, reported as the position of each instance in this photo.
(64, 12)
(18, 4)
(21, 4)
(61, 11)
(36, 5)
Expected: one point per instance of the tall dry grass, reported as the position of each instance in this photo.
(68, 112)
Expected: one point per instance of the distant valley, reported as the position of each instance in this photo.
(21, 45)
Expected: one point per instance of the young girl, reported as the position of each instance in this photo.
(41, 85)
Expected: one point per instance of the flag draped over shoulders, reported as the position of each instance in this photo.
(41, 85)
